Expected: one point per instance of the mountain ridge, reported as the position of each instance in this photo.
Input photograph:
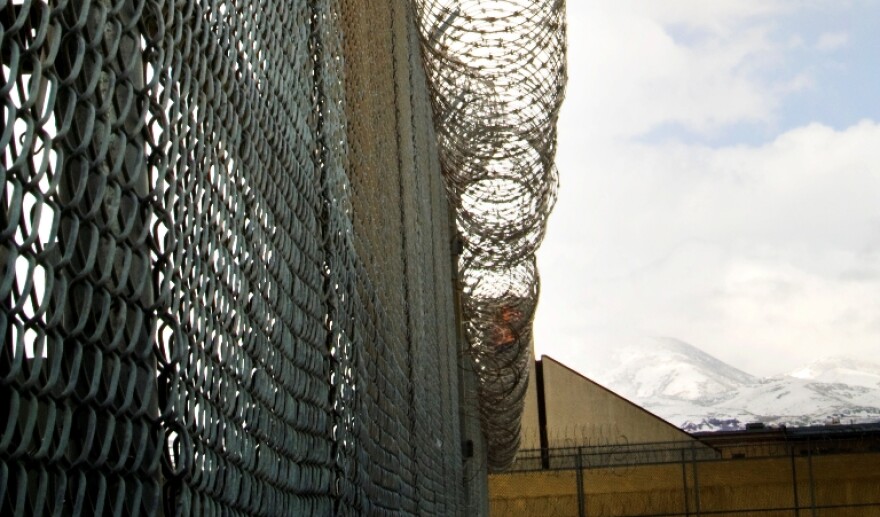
(698, 392)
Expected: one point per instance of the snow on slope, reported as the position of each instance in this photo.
(789, 401)
(692, 389)
(667, 367)
(841, 370)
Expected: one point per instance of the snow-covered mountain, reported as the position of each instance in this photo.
(669, 368)
(698, 392)
(841, 370)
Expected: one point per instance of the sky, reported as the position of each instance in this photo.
(720, 182)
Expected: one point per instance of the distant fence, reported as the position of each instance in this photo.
(810, 475)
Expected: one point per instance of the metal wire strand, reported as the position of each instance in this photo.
(496, 71)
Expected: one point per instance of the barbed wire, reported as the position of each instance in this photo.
(497, 72)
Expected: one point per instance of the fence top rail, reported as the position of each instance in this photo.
(728, 447)
(717, 439)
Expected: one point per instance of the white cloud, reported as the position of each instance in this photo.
(831, 41)
(631, 71)
(765, 256)
(718, 16)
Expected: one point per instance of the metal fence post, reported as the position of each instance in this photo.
(794, 486)
(812, 483)
(684, 485)
(696, 479)
(582, 512)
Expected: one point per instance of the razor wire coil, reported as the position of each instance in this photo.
(202, 311)
(496, 72)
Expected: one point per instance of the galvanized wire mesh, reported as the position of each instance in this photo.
(200, 312)
(496, 71)
(244, 121)
(78, 393)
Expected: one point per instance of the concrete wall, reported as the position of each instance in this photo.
(580, 412)
(530, 432)
(760, 474)
(841, 485)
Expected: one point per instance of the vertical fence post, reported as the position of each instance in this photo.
(684, 485)
(812, 483)
(475, 475)
(696, 479)
(794, 486)
(580, 484)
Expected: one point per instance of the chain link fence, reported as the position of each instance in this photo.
(804, 473)
(226, 272)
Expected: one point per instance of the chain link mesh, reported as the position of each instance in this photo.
(77, 365)
(223, 241)
(210, 306)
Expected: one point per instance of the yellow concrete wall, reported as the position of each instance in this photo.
(533, 494)
(724, 486)
(583, 413)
